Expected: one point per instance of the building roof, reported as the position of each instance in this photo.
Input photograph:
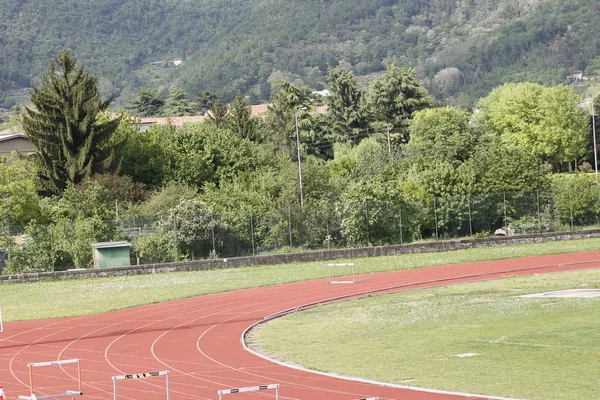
(9, 136)
(110, 245)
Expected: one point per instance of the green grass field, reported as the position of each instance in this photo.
(533, 348)
(48, 299)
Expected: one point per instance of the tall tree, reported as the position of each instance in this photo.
(217, 114)
(66, 126)
(394, 98)
(177, 104)
(288, 103)
(240, 118)
(146, 104)
(546, 122)
(345, 113)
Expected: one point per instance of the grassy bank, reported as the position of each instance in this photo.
(478, 338)
(24, 301)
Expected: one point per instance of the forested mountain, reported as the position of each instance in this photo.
(459, 48)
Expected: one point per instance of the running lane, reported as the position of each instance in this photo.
(198, 340)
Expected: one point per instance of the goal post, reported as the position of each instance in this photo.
(142, 375)
(350, 277)
(61, 363)
(250, 389)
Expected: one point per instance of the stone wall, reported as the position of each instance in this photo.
(320, 255)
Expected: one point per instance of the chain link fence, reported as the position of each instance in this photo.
(321, 225)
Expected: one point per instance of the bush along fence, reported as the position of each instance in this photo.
(199, 232)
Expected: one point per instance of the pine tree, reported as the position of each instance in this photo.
(177, 104)
(68, 126)
(240, 118)
(345, 115)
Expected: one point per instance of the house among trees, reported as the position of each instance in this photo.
(177, 61)
(158, 63)
(11, 141)
(575, 76)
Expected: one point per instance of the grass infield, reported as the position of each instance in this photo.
(49, 299)
(478, 338)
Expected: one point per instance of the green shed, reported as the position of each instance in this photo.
(111, 254)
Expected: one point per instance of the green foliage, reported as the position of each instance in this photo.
(147, 104)
(163, 200)
(577, 199)
(394, 98)
(236, 46)
(20, 202)
(547, 122)
(345, 113)
(144, 155)
(240, 119)
(201, 154)
(64, 126)
(190, 228)
(177, 104)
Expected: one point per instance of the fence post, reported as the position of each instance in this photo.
(539, 216)
(252, 232)
(400, 225)
(290, 227)
(367, 219)
(504, 204)
(437, 237)
(470, 221)
(570, 210)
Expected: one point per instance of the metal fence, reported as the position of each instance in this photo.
(326, 224)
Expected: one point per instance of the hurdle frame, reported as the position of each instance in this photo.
(69, 393)
(142, 375)
(250, 389)
(1, 326)
(330, 266)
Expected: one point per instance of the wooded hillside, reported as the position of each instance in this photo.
(459, 48)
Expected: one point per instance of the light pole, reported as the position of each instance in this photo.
(594, 135)
(299, 163)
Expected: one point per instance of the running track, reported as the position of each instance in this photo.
(199, 339)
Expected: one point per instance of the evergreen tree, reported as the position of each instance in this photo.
(64, 125)
(395, 97)
(147, 104)
(217, 114)
(177, 104)
(345, 115)
(240, 119)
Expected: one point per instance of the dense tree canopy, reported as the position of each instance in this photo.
(65, 125)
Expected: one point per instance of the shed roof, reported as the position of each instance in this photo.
(108, 245)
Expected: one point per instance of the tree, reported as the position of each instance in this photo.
(177, 104)
(240, 119)
(19, 200)
(217, 114)
(546, 122)
(441, 134)
(190, 227)
(65, 126)
(394, 98)
(345, 114)
(288, 101)
(205, 101)
(147, 103)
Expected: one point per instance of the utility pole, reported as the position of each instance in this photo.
(389, 129)
(594, 135)
(299, 163)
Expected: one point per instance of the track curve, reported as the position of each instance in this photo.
(199, 339)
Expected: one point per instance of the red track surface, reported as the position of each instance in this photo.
(198, 339)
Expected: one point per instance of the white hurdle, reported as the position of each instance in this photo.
(250, 389)
(351, 265)
(1, 326)
(140, 376)
(68, 393)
